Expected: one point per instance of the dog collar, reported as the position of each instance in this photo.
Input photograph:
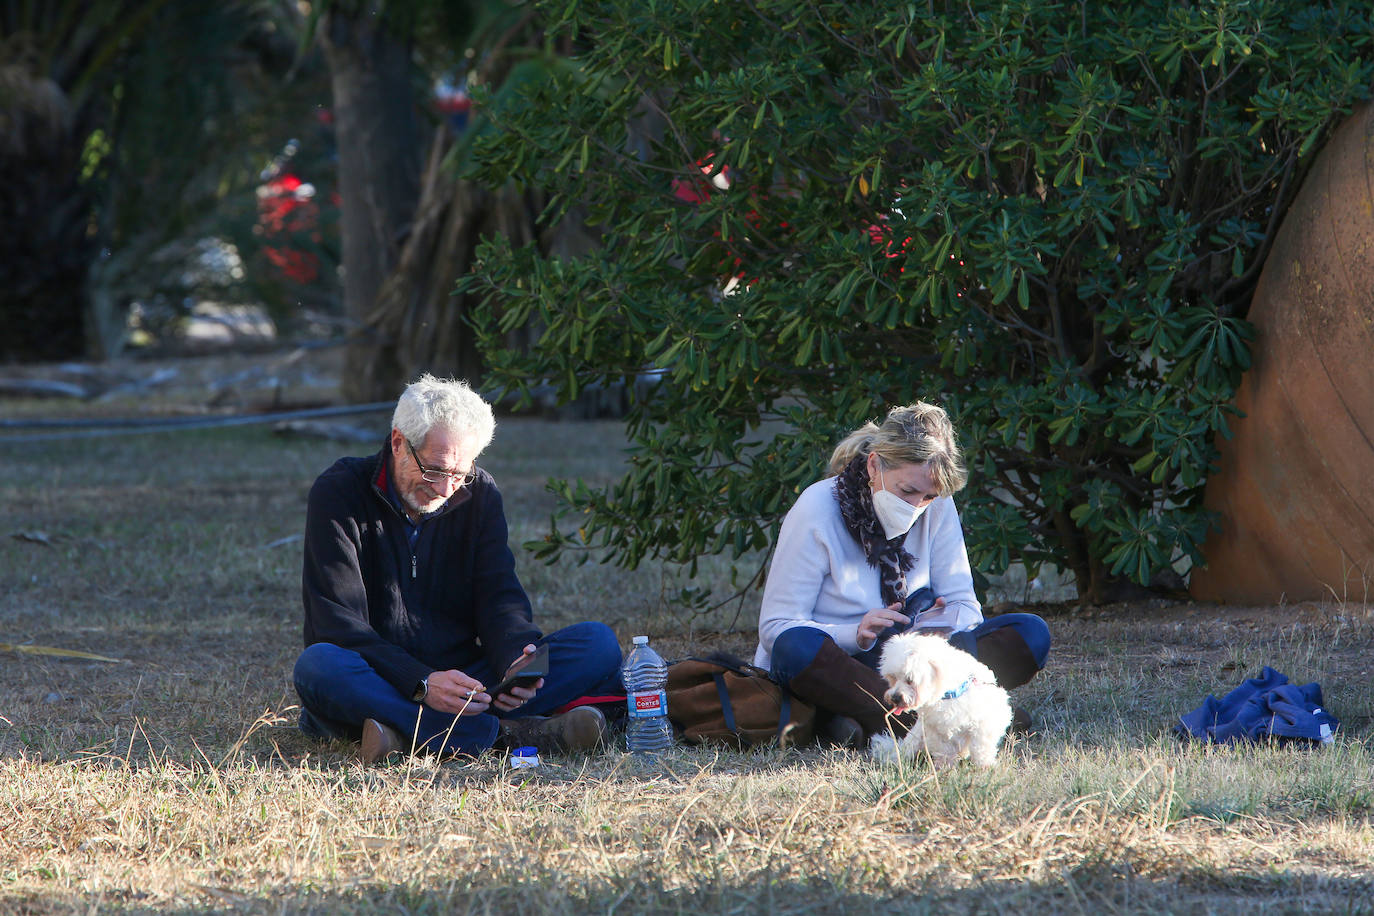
(957, 692)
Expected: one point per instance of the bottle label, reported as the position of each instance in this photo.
(647, 703)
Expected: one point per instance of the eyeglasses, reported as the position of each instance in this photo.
(434, 475)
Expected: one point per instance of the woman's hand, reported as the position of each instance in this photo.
(878, 620)
(934, 609)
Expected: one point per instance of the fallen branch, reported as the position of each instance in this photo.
(50, 650)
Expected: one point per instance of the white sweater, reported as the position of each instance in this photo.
(819, 576)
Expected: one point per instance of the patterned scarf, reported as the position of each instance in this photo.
(856, 508)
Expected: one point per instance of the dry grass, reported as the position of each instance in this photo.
(173, 780)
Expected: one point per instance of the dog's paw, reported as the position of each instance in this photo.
(984, 754)
(883, 749)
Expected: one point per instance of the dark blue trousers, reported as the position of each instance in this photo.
(796, 648)
(339, 689)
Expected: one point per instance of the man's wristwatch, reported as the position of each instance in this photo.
(421, 691)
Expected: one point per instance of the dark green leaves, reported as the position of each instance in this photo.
(1047, 216)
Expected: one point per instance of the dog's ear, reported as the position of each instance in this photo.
(919, 675)
(889, 661)
(932, 682)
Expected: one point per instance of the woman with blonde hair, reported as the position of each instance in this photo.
(872, 550)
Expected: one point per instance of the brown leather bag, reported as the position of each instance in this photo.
(725, 701)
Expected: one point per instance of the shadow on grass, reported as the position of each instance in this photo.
(1088, 889)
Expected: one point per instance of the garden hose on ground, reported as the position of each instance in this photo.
(87, 428)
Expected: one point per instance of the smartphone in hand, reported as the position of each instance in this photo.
(918, 602)
(534, 669)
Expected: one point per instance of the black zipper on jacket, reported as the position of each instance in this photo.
(404, 520)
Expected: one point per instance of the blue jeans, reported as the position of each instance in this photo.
(339, 689)
(796, 648)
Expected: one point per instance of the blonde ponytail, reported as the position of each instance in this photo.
(859, 442)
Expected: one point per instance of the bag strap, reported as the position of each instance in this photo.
(786, 715)
(726, 707)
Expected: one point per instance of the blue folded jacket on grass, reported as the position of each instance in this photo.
(1263, 707)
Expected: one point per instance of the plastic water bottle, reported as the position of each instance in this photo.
(648, 730)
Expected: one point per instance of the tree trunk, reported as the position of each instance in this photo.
(418, 323)
(379, 164)
(417, 316)
(408, 237)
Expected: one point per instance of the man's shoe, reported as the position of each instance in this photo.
(580, 729)
(1020, 721)
(379, 742)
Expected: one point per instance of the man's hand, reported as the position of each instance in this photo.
(454, 692)
(518, 696)
(878, 620)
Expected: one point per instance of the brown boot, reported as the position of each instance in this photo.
(580, 729)
(1006, 653)
(839, 684)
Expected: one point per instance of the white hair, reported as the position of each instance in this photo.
(448, 403)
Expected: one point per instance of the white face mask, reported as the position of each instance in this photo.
(895, 514)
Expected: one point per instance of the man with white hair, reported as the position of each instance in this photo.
(413, 608)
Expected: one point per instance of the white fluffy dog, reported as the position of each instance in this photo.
(961, 712)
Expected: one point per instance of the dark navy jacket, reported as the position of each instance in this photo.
(452, 599)
(1263, 707)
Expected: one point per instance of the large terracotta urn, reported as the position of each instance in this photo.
(1295, 486)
